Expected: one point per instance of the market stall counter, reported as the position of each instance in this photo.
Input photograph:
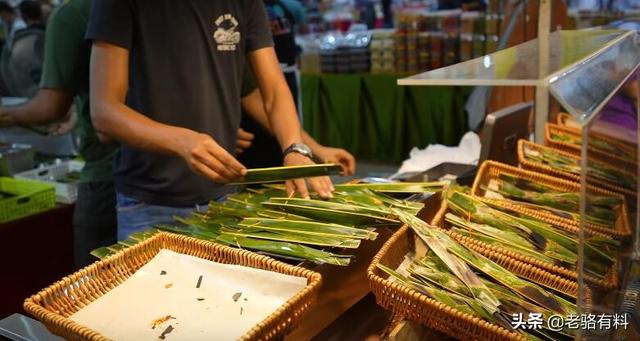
(37, 250)
(342, 288)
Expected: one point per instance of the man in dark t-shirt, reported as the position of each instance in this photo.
(166, 82)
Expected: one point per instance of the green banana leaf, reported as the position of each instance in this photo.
(285, 249)
(280, 174)
(442, 241)
(333, 216)
(394, 187)
(309, 227)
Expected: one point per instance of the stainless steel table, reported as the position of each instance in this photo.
(22, 328)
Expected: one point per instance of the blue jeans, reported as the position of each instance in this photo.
(135, 215)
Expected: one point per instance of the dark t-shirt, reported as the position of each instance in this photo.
(186, 65)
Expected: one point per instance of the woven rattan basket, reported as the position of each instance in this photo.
(564, 119)
(418, 307)
(56, 303)
(495, 252)
(545, 169)
(491, 170)
(609, 158)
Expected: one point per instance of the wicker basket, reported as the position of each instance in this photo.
(564, 119)
(494, 252)
(545, 169)
(56, 303)
(418, 307)
(608, 158)
(491, 170)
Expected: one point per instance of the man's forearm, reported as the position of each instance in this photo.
(310, 141)
(253, 106)
(277, 99)
(112, 118)
(119, 122)
(48, 106)
(284, 121)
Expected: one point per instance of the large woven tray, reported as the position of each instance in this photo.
(609, 158)
(545, 169)
(494, 253)
(55, 304)
(418, 307)
(491, 170)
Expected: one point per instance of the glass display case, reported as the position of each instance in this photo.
(601, 94)
(594, 76)
(522, 65)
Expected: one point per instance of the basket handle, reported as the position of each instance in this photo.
(22, 201)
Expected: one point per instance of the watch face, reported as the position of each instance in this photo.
(303, 148)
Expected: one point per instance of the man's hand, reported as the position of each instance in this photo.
(244, 141)
(321, 185)
(205, 157)
(6, 120)
(65, 126)
(338, 156)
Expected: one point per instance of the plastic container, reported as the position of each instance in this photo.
(23, 198)
(15, 158)
(66, 190)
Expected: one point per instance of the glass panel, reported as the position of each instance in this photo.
(518, 65)
(610, 157)
(583, 88)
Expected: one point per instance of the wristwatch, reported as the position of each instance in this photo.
(299, 148)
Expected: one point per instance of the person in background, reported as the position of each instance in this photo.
(10, 20)
(47, 7)
(31, 13)
(622, 108)
(387, 13)
(283, 16)
(65, 79)
(166, 82)
(252, 104)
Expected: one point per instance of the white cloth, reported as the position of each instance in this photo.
(467, 152)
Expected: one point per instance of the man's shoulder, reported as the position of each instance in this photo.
(72, 11)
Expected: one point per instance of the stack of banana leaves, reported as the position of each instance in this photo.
(267, 221)
(600, 209)
(465, 280)
(528, 236)
(626, 153)
(597, 170)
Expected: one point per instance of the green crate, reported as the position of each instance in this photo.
(28, 197)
